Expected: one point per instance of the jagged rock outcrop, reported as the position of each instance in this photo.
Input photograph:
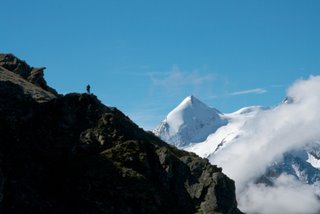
(72, 154)
(21, 68)
(9, 79)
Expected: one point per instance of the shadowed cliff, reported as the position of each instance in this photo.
(72, 154)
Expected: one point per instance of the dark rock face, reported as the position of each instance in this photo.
(72, 154)
(33, 75)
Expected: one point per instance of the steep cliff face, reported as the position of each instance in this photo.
(72, 154)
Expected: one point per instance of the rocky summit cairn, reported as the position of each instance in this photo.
(72, 154)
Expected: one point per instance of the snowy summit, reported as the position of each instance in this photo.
(238, 136)
(190, 122)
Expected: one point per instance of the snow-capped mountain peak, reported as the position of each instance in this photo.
(188, 111)
(197, 128)
(190, 122)
(191, 102)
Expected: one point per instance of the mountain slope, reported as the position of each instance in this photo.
(226, 134)
(303, 163)
(194, 126)
(72, 154)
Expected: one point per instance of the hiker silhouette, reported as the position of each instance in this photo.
(88, 89)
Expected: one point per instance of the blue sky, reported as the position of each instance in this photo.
(145, 56)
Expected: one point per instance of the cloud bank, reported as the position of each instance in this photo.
(266, 137)
(286, 196)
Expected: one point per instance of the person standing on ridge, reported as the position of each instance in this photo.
(88, 89)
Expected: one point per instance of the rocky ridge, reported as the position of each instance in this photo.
(72, 154)
(33, 75)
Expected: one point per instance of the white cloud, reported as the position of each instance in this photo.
(286, 196)
(250, 91)
(266, 138)
(176, 79)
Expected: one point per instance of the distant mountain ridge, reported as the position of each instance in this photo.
(304, 164)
